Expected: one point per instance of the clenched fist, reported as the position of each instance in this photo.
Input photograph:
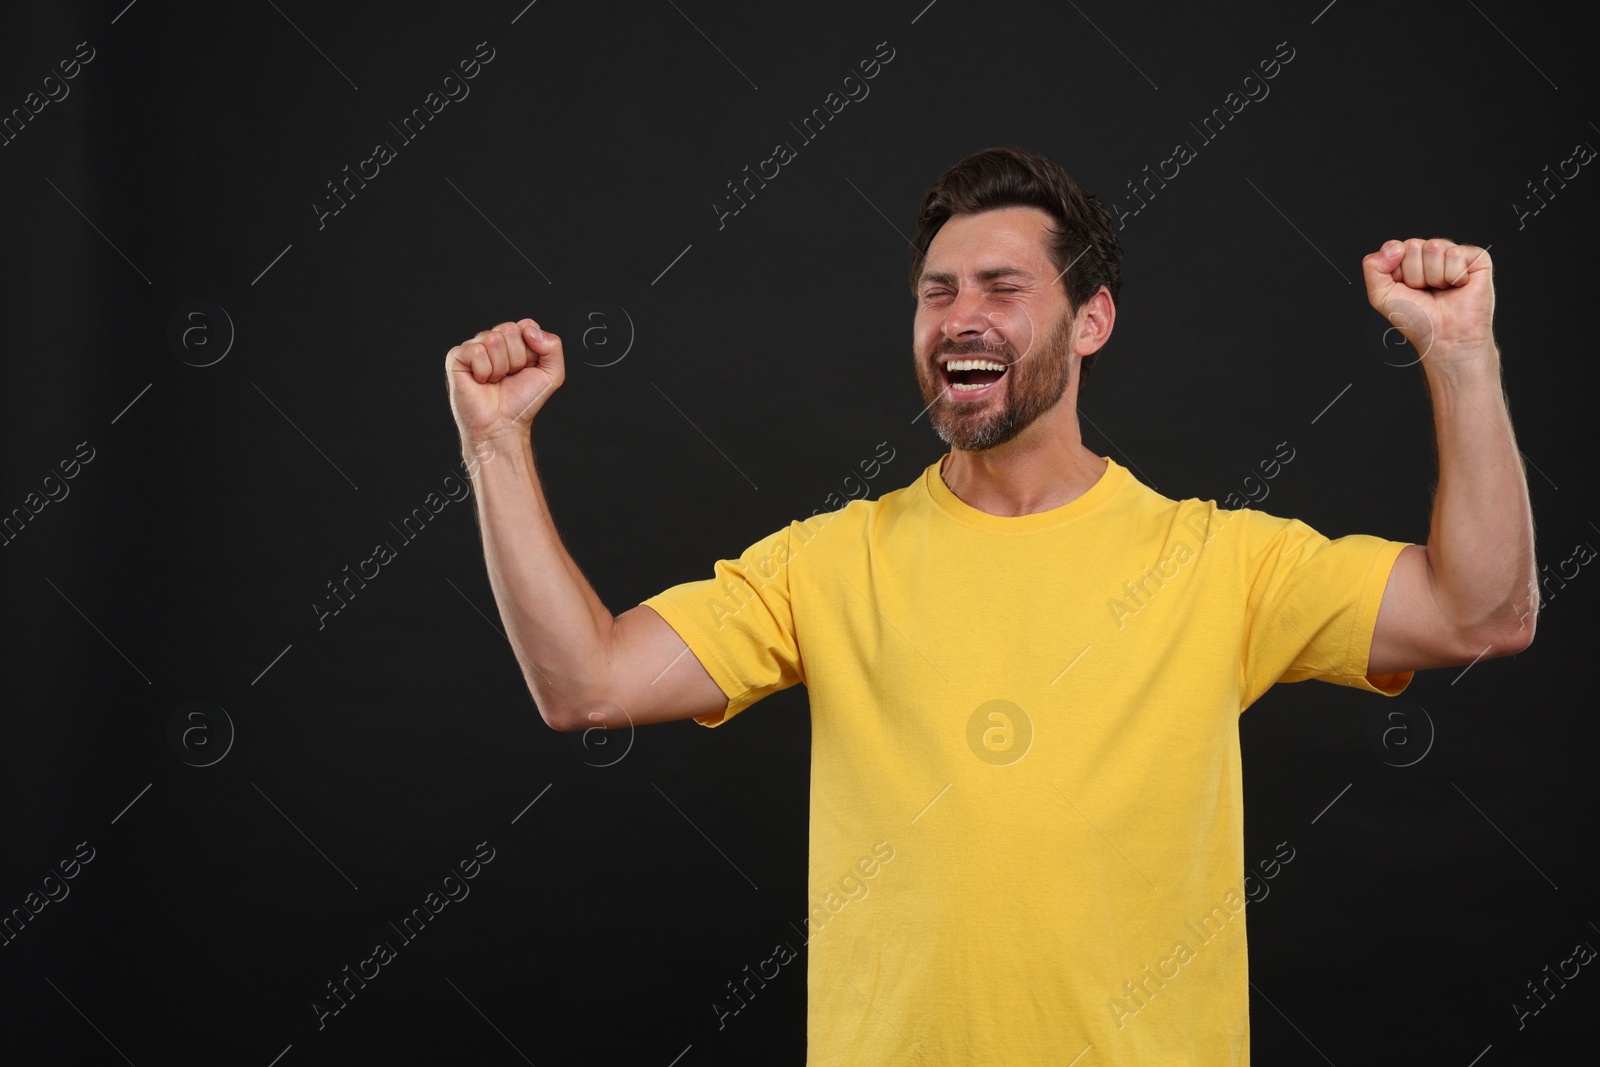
(500, 378)
(1437, 293)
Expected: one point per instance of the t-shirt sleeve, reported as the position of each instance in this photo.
(739, 624)
(1311, 606)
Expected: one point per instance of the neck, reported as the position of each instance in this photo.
(1044, 467)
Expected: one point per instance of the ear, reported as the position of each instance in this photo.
(1096, 316)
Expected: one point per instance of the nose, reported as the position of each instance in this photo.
(964, 319)
(967, 322)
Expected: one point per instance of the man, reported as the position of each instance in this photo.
(1026, 667)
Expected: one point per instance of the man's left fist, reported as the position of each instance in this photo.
(1437, 293)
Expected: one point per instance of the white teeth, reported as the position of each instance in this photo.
(967, 387)
(974, 364)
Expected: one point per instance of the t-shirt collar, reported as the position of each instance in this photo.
(967, 515)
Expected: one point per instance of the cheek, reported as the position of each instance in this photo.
(1024, 331)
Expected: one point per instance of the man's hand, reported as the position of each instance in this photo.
(1472, 590)
(1438, 294)
(500, 379)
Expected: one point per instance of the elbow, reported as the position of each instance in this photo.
(557, 714)
(572, 715)
(553, 701)
(552, 716)
(1513, 641)
(1491, 643)
(1515, 637)
(560, 715)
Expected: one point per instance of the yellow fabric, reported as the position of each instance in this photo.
(1013, 883)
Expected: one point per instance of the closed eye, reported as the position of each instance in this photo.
(939, 293)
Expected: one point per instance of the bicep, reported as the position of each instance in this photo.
(654, 675)
(1412, 633)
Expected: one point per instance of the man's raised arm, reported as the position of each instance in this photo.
(1473, 591)
(583, 666)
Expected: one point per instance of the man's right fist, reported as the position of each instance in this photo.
(500, 378)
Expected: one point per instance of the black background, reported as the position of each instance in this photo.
(377, 750)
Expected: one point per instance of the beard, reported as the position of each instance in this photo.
(1031, 388)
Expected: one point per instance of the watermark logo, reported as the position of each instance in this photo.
(605, 332)
(735, 595)
(1542, 990)
(55, 489)
(455, 490)
(200, 333)
(452, 88)
(1401, 737)
(999, 733)
(1564, 171)
(52, 889)
(1255, 885)
(852, 887)
(200, 733)
(1386, 336)
(1252, 89)
(600, 745)
(52, 90)
(452, 888)
(742, 190)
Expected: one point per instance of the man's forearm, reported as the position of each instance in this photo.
(557, 625)
(1480, 542)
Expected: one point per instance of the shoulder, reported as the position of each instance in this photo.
(1214, 530)
(856, 516)
(842, 512)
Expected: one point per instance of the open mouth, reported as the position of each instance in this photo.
(971, 378)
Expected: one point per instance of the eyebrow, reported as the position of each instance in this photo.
(945, 278)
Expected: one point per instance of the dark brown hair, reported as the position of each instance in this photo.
(1084, 234)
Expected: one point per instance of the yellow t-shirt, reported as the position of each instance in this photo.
(1026, 813)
